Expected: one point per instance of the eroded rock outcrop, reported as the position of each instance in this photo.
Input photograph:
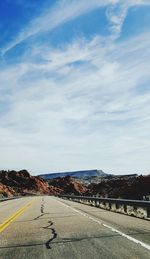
(68, 185)
(126, 188)
(22, 183)
(6, 191)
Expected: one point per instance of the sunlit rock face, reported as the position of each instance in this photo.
(68, 185)
(21, 182)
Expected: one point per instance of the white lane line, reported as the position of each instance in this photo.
(136, 241)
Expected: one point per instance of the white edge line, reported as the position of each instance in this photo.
(136, 241)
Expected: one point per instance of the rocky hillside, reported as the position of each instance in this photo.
(122, 187)
(6, 191)
(22, 183)
(68, 185)
(125, 187)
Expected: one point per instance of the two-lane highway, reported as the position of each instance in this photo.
(49, 227)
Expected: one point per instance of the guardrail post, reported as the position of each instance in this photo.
(102, 205)
(113, 207)
(107, 206)
(148, 212)
(90, 201)
(87, 202)
(93, 203)
(97, 203)
(121, 208)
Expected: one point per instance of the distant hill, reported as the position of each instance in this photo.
(75, 174)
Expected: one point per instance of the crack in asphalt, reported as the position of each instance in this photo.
(54, 233)
(42, 210)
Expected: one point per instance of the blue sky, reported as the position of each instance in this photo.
(75, 85)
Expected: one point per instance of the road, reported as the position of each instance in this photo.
(49, 227)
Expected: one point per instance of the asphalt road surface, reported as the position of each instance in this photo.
(49, 227)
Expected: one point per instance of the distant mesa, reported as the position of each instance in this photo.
(75, 174)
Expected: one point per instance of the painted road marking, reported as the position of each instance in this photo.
(7, 222)
(107, 226)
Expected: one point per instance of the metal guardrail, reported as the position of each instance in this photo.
(140, 203)
(10, 198)
(137, 208)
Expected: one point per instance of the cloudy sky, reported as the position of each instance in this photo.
(75, 85)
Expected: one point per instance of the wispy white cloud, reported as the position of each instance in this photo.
(67, 10)
(57, 15)
(116, 14)
(85, 105)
